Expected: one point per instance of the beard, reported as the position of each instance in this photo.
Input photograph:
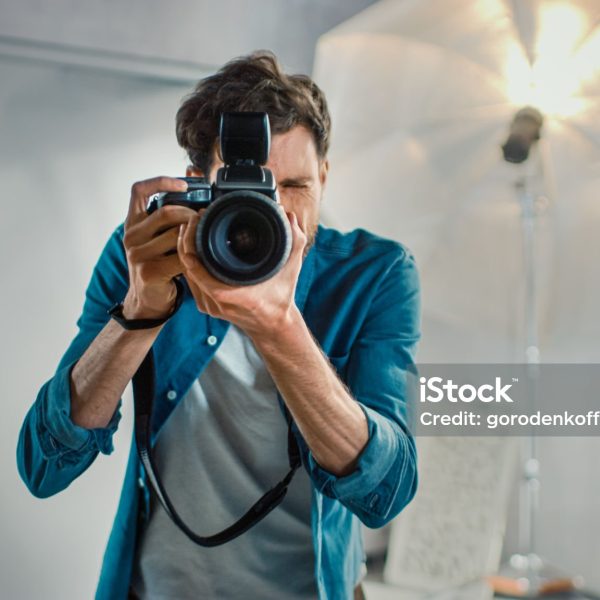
(310, 231)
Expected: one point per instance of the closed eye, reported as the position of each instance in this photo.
(295, 183)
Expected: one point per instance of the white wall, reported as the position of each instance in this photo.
(174, 36)
(72, 143)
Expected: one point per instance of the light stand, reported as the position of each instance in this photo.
(527, 574)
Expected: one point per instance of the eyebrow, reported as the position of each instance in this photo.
(295, 181)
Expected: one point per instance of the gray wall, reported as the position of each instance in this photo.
(72, 143)
(171, 39)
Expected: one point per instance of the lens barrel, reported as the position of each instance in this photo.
(244, 238)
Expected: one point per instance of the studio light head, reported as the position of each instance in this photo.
(524, 132)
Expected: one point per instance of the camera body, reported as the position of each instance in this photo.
(244, 236)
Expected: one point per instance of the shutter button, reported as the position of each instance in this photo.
(211, 340)
(171, 395)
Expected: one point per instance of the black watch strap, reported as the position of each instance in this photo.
(116, 313)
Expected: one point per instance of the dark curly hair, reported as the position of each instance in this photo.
(255, 82)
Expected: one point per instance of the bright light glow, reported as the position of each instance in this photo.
(564, 61)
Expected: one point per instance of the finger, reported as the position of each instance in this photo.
(160, 269)
(157, 247)
(142, 190)
(204, 302)
(155, 224)
(186, 241)
(298, 236)
(170, 266)
(186, 247)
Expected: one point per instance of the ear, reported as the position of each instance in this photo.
(191, 171)
(323, 172)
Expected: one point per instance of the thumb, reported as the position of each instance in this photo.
(299, 238)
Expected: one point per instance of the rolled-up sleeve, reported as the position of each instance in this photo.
(52, 450)
(385, 476)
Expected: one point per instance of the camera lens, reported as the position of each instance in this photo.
(243, 242)
(247, 237)
(244, 238)
(241, 238)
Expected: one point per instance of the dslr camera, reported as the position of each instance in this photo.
(244, 237)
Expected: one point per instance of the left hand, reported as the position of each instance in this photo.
(259, 309)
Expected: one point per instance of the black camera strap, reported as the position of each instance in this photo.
(143, 392)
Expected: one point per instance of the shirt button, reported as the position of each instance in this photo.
(140, 483)
(212, 340)
(171, 395)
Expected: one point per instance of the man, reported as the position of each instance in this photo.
(329, 336)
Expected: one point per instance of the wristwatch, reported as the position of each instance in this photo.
(116, 313)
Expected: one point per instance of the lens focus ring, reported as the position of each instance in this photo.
(244, 238)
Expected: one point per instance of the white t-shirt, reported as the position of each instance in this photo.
(222, 448)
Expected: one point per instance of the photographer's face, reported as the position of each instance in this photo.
(299, 174)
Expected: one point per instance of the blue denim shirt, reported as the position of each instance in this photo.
(359, 295)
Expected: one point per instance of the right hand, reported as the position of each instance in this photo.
(151, 249)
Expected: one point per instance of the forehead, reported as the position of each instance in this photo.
(293, 153)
